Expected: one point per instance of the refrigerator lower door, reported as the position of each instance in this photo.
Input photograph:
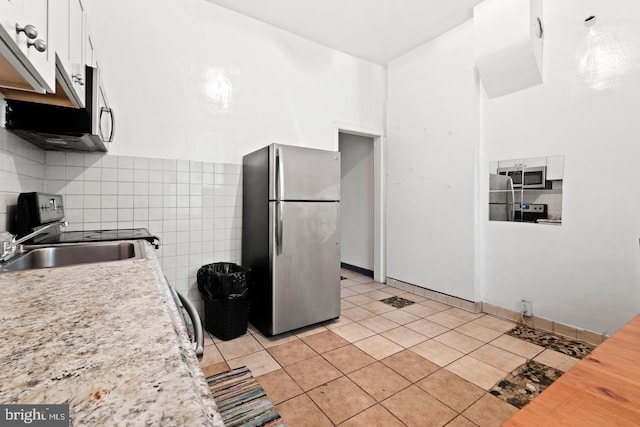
(305, 255)
(500, 212)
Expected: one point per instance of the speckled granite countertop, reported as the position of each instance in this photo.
(105, 338)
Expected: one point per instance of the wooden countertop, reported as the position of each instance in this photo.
(603, 389)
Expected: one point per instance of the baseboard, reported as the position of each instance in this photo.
(505, 313)
(356, 269)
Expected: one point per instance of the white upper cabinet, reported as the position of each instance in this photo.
(508, 44)
(26, 45)
(89, 52)
(555, 168)
(66, 25)
(69, 30)
(77, 35)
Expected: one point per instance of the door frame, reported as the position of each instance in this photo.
(379, 192)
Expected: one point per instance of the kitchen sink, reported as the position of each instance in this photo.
(34, 257)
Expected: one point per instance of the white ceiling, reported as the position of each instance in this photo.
(374, 30)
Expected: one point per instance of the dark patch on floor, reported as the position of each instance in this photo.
(397, 302)
(343, 278)
(568, 346)
(524, 383)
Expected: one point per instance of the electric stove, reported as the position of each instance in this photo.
(37, 209)
(98, 236)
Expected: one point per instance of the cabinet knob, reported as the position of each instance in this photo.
(78, 79)
(28, 30)
(40, 45)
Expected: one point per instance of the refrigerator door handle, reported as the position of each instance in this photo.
(512, 214)
(279, 227)
(279, 175)
(279, 191)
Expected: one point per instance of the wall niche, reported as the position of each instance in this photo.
(526, 190)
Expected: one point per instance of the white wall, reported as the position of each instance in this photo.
(191, 80)
(356, 200)
(431, 165)
(585, 273)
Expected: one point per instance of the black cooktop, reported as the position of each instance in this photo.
(98, 236)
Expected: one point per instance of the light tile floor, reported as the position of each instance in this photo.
(425, 364)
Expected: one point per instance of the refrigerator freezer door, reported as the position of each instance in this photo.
(306, 263)
(299, 173)
(499, 188)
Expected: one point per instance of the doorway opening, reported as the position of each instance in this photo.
(361, 201)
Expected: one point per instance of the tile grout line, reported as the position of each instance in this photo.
(428, 338)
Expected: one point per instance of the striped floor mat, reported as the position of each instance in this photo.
(241, 401)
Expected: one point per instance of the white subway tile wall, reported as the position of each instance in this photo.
(195, 208)
(21, 171)
(552, 198)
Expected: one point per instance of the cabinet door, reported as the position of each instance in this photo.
(555, 168)
(89, 54)
(533, 162)
(60, 28)
(76, 31)
(36, 13)
(76, 48)
(28, 58)
(13, 74)
(10, 13)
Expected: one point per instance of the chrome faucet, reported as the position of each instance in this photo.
(9, 248)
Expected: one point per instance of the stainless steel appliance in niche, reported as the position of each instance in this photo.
(505, 204)
(501, 198)
(525, 177)
(530, 212)
(291, 236)
(526, 190)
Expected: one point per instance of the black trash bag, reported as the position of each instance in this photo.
(222, 280)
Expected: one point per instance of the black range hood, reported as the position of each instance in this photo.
(52, 127)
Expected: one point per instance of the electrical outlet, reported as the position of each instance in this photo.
(526, 308)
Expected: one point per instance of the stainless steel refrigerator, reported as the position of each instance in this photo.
(291, 236)
(501, 198)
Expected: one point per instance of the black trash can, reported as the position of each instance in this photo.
(224, 288)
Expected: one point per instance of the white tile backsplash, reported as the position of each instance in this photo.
(183, 165)
(93, 187)
(156, 176)
(125, 162)
(552, 198)
(74, 159)
(140, 163)
(92, 159)
(21, 170)
(155, 164)
(195, 208)
(55, 158)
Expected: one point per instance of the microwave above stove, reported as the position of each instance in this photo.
(526, 177)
